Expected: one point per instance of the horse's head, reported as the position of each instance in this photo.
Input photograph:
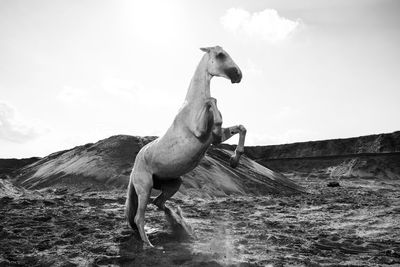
(221, 64)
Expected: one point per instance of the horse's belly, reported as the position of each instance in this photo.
(177, 158)
(175, 167)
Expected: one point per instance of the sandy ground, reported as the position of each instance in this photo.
(356, 224)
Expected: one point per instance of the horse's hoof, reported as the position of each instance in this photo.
(233, 162)
(147, 245)
(159, 247)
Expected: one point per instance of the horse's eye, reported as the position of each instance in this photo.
(220, 56)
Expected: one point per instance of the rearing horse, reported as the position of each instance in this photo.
(197, 125)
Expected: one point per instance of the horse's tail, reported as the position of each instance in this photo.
(131, 206)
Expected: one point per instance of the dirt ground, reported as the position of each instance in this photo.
(355, 224)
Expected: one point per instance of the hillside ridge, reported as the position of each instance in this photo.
(108, 164)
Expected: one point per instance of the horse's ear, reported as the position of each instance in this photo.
(205, 49)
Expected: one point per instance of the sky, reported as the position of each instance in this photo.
(74, 72)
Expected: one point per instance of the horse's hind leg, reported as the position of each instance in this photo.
(142, 182)
(175, 218)
(168, 189)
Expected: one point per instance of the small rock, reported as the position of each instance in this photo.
(49, 202)
(45, 244)
(120, 239)
(67, 234)
(241, 224)
(78, 239)
(3, 233)
(121, 200)
(85, 230)
(6, 200)
(97, 249)
(126, 232)
(243, 242)
(392, 253)
(43, 218)
(272, 238)
(26, 202)
(333, 184)
(60, 191)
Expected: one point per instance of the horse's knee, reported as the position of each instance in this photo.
(211, 101)
(137, 221)
(242, 128)
(239, 151)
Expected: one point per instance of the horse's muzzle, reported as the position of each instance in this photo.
(234, 74)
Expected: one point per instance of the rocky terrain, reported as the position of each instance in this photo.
(355, 224)
(341, 207)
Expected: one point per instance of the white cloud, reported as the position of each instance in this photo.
(267, 24)
(14, 129)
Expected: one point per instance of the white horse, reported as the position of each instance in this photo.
(197, 125)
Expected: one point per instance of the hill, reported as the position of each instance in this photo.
(108, 163)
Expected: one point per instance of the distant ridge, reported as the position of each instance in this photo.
(370, 156)
(9, 166)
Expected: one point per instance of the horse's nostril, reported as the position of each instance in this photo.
(239, 74)
(234, 74)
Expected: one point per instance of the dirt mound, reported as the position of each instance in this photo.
(7, 189)
(109, 162)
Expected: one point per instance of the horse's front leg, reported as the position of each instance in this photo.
(228, 133)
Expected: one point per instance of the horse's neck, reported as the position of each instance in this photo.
(199, 88)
